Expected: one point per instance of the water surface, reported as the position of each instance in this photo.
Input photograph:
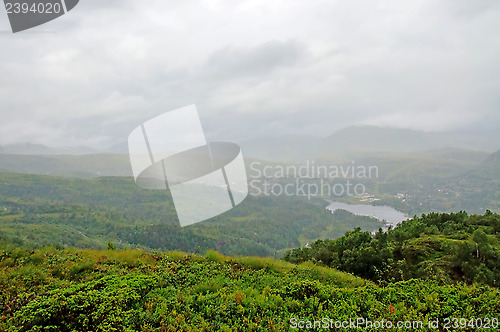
(386, 214)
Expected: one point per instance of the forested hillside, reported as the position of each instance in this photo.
(445, 247)
(40, 210)
(415, 182)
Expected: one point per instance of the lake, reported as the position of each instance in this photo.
(386, 214)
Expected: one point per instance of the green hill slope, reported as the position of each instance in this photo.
(84, 290)
(39, 210)
(447, 247)
(442, 180)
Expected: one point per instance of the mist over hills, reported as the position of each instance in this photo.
(491, 165)
(364, 141)
(80, 166)
(481, 184)
(428, 168)
(441, 180)
(395, 139)
(411, 179)
(286, 148)
(27, 148)
(354, 141)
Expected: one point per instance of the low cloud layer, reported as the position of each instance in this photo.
(253, 68)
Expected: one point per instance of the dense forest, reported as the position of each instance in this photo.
(445, 247)
(37, 210)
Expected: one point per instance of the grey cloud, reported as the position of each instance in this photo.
(307, 68)
(231, 62)
(469, 9)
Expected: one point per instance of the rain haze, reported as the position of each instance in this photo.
(253, 68)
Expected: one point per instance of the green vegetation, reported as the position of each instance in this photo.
(437, 266)
(443, 180)
(444, 247)
(37, 210)
(410, 179)
(86, 290)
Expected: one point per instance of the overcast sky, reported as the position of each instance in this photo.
(254, 68)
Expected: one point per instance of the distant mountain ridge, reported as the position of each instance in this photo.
(365, 141)
(348, 142)
(27, 148)
(80, 166)
(285, 148)
(489, 168)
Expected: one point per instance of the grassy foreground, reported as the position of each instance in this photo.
(88, 290)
